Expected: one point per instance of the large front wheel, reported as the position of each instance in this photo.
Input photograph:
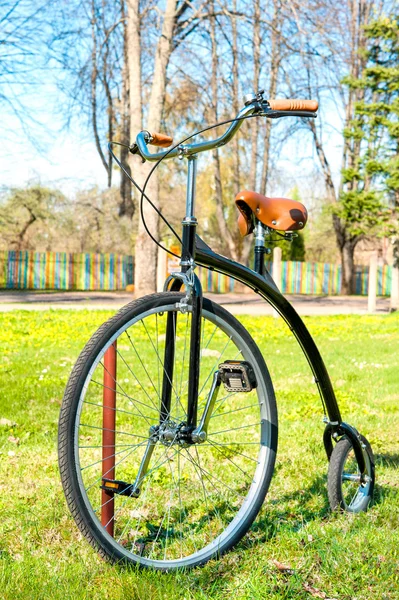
(137, 489)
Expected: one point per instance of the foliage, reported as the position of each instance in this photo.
(361, 210)
(43, 219)
(23, 214)
(290, 250)
(371, 184)
(342, 556)
(320, 237)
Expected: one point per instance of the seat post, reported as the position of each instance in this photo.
(259, 259)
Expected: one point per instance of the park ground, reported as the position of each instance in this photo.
(237, 303)
(296, 549)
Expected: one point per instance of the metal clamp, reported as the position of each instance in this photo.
(188, 280)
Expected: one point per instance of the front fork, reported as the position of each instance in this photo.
(190, 429)
(194, 298)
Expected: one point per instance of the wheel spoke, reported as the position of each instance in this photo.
(235, 428)
(125, 395)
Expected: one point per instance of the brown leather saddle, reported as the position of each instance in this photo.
(276, 213)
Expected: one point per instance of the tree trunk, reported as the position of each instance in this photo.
(145, 250)
(255, 122)
(274, 69)
(348, 267)
(360, 11)
(19, 244)
(248, 240)
(236, 103)
(126, 205)
(93, 88)
(223, 228)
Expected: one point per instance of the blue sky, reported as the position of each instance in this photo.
(43, 150)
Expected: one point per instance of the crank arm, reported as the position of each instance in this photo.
(132, 490)
(200, 433)
(143, 468)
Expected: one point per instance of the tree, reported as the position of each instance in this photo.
(371, 180)
(95, 80)
(333, 47)
(179, 20)
(225, 232)
(23, 39)
(377, 115)
(23, 212)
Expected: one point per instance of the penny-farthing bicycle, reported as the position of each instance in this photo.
(168, 428)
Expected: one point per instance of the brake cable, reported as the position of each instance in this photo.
(142, 190)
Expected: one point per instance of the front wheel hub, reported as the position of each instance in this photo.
(170, 433)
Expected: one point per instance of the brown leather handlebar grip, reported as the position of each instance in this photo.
(294, 104)
(161, 140)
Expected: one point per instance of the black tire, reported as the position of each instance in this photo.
(220, 456)
(345, 490)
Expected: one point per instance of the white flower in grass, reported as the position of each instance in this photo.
(209, 352)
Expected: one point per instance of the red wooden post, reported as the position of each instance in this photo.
(109, 419)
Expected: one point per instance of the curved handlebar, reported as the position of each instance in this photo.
(272, 109)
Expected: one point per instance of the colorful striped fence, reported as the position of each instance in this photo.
(325, 278)
(384, 275)
(64, 271)
(215, 282)
(310, 278)
(67, 271)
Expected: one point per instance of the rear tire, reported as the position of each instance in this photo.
(346, 492)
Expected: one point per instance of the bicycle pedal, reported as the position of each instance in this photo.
(121, 488)
(237, 376)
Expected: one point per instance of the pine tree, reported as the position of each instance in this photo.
(370, 194)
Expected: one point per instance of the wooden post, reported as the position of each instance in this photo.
(277, 271)
(372, 291)
(109, 421)
(394, 303)
(161, 269)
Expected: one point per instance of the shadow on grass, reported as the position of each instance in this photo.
(291, 511)
(387, 459)
(294, 510)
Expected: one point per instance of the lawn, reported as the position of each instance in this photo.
(296, 548)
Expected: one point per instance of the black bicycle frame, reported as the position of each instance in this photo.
(265, 287)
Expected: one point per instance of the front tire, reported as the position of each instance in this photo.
(197, 501)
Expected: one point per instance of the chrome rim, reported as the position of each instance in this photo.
(355, 489)
(194, 499)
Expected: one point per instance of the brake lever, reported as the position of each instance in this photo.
(134, 149)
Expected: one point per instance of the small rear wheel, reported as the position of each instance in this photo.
(348, 490)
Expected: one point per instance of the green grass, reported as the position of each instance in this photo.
(342, 556)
